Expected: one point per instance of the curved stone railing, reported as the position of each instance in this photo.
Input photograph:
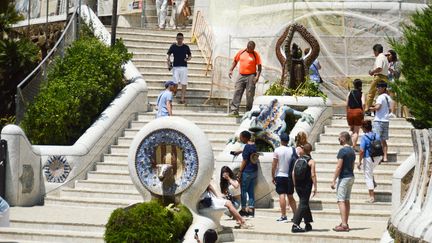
(412, 220)
(35, 170)
(319, 109)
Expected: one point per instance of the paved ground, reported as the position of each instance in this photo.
(268, 230)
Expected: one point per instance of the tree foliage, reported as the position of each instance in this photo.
(415, 52)
(18, 57)
(79, 87)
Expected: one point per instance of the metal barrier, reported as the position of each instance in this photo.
(3, 157)
(29, 87)
(203, 36)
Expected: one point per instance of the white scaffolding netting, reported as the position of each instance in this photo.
(345, 30)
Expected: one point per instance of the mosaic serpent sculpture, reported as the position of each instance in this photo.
(289, 61)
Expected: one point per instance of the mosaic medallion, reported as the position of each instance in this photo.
(56, 169)
(166, 162)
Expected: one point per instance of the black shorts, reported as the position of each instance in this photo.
(284, 185)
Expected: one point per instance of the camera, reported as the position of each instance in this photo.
(196, 231)
(233, 153)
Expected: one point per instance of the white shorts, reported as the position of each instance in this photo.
(180, 75)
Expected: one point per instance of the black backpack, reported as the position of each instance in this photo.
(292, 161)
(301, 167)
(375, 147)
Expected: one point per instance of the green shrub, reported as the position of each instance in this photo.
(79, 87)
(308, 88)
(147, 222)
(415, 53)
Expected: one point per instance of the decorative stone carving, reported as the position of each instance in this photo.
(294, 67)
(166, 162)
(268, 121)
(27, 179)
(412, 221)
(171, 157)
(56, 169)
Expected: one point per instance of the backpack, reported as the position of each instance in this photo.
(293, 159)
(301, 167)
(375, 147)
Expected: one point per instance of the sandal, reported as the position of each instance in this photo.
(244, 226)
(341, 228)
(371, 200)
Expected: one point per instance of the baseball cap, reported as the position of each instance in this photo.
(381, 84)
(169, 83)
(284, 137)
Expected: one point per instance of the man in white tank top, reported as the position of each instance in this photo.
(283, 161)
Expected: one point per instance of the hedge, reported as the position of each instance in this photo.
(79, 87)
(148, 222)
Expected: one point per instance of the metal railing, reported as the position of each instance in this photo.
(29, 87)
(203, 36)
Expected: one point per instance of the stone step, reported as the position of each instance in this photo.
(190, 99)
(217, 143)
(393, 121)
(132, 195)
(331, 164)
(209, 107)
(148, 55)
(394, 129)
(167, 74)
(164, 37)
(58, 226)
(356, 194)
(19, 234)
(393, 156)
(334, 145)
(334, 213)
(193, 63)
(166, 43)
(400, 138)
(198, 92)
(202, 116)
(109, 175)
(360, 184)
(330, 203)
(89, 202)
(159, 49)
(111, 184)
(218, 134)
(192, 71)
(202, 124)
(170, 33)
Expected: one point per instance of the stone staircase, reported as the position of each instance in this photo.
(367, 221)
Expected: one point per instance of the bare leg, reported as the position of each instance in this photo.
(292, 203)
(348, 209)
(372, 195)
(234, 212)
(183, 93)
(385, 148)
(282, 204)
(355, 135)
(343, 212)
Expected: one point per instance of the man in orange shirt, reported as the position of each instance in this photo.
(249, 61)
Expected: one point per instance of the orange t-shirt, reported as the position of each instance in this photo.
(248, 61)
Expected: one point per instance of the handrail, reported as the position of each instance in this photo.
(32, 79)
(50, 53)
(203, 36)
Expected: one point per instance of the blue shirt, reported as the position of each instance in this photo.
(313, 72)
(247, 151)
(162, 99)
(366, 141)
(3, 205)
(347, 155)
